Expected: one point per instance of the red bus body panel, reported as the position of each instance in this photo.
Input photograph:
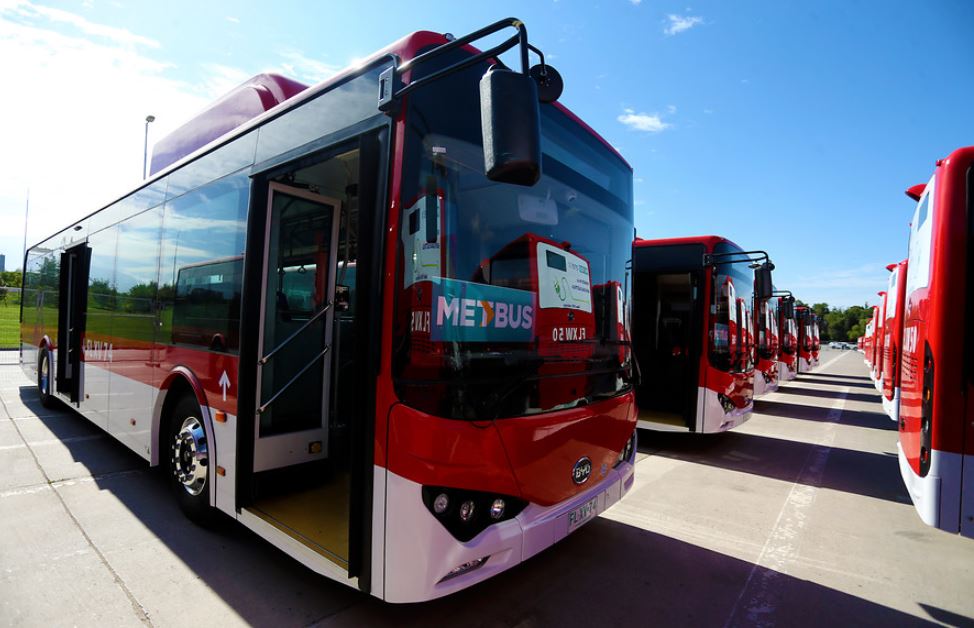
(937, 446)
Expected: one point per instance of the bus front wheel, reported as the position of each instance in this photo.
(44, 380)
(189, 461)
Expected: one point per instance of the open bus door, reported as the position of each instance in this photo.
(75, 264)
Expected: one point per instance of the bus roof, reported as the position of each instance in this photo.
(405, 48)
(245, 102)
(265, 93)
(709, 241)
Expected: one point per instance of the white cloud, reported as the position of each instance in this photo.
(28, 10)
(671, 109)
(305, 68)
(650, 123)
(233, 20)
(636, 2)
(75, 138)
(678, 23)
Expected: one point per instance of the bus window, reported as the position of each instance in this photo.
(201, 273)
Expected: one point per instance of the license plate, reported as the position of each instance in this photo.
(578, 517)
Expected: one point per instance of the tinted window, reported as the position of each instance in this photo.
(102, 293)
(341, 107)
(200, 273)
(135, 275)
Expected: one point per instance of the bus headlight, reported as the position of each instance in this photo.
(467, 510)
(627, 451)
(465, 514)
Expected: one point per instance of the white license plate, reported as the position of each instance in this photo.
(581, 515)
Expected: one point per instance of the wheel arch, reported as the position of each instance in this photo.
(45, 347)
(181, 382)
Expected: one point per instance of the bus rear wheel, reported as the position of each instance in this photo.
(189, 461)
(44, 380)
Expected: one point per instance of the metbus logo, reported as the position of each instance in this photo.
(473, 312)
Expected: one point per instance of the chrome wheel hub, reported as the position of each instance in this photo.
(190, 456)
(44, 374)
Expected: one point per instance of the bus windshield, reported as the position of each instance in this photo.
(511, 300)
(731, 342)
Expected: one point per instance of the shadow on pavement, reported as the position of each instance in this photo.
(607, 573)
(829, 394)
(860, 378)
(851, 382)
(857, 418)
(851, 471)
(613, 574)
(947, 617)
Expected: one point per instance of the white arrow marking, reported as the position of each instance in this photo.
(224, 384)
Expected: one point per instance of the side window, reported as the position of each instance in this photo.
(102, 291)
(201, 272)
(921, 237)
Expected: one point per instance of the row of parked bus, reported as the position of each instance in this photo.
(919, 350)
(710, 333)
(386, 322)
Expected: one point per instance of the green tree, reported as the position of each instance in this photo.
(822, 311)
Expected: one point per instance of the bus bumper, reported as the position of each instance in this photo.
(936, 496)
(715, 418)
(765, 384)
(420, 554)
(892, 406)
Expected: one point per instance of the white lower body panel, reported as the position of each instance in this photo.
(892, 406)
(937, 495)
(419, 552)
(761, 384)
(786, 373)
(711, 415)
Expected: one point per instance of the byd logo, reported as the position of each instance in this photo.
(582, 470)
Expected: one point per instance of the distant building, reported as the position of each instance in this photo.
(3, 263)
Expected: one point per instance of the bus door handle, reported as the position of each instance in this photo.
(314, 360)
(264, 360)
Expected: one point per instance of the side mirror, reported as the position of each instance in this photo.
(788, 308)
(763, 286)
(511, 121)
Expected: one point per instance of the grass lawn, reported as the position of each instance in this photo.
(10, 324)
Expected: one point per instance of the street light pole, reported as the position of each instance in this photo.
(145, 145)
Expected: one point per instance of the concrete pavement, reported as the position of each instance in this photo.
(796, 518)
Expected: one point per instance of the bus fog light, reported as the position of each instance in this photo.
(466, 567)
(497, 509)
(441, 503)
(466, 511)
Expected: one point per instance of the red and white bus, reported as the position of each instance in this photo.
(869, 340)
(879, 339)
(768, 346)
(381, 321)
(892, 343)
(816, 340)
(936, 445)
(803, 321)
(788, 330)
(693, 333)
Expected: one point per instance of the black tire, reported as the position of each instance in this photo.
(187, 460)
(43, 380)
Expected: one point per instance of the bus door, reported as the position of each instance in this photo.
(75, 263)
(294, 367)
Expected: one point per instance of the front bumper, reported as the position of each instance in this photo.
(420, 553)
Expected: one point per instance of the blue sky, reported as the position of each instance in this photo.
(792, 127)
